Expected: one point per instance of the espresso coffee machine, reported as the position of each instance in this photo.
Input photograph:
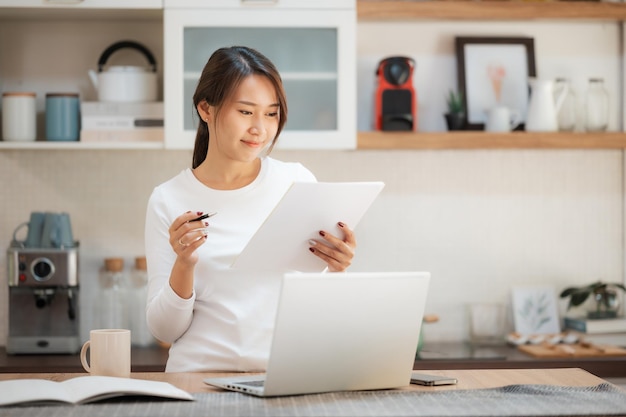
(396, 100)
(43, 300)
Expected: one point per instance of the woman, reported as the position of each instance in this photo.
(217, 318)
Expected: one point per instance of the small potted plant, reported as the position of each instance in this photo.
(604, 294)
(455, 117)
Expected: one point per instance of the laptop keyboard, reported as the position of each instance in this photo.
(252, 383)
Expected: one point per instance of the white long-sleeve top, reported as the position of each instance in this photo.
(227, 323)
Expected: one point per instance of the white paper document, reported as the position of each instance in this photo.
(282, 241)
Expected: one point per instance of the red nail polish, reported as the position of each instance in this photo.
(206, 223)
(312, 250)
(322, 233)
(199, 213)
(340, 224)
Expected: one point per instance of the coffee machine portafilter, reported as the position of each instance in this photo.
(43, 301)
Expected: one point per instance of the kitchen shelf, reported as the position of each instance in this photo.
(489, 10)
(386, 10)
(488, 140)
(129, 11)
(399, 140)
(372, 10)
(43, 145)
(391, 10)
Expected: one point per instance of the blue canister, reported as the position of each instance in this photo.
(62, 117)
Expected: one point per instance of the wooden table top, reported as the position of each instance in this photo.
(467, 378)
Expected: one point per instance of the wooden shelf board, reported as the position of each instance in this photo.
(44, 145)
(43, 13)
(487, 140)
(488, 10)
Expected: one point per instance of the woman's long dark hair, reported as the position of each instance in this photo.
(221, 76)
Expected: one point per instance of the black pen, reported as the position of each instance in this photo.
(204, 216)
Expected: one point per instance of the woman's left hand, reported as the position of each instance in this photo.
(336, 252)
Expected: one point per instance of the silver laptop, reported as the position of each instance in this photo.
(341, 332)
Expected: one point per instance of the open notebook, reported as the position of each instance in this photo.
(83, 390)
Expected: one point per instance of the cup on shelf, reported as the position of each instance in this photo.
(501, 119)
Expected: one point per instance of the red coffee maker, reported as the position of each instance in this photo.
(396, 101)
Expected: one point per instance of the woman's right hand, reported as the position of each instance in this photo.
(186, 236)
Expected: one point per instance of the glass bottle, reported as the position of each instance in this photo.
(111, 303)
(567, 115)
(596, 106)
(137, 297)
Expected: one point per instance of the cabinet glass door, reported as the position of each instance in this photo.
(320, 92)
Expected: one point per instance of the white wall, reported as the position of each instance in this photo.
(480, 221)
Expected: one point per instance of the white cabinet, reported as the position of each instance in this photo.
(51, 48)
(313, 44)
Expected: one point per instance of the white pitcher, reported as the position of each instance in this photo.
(543, 108)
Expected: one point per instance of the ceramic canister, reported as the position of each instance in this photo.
(19, 116)
(62, 117)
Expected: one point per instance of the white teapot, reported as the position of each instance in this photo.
(125, 83)
(543, 108)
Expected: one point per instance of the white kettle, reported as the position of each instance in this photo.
(543, 108)
(125, 83)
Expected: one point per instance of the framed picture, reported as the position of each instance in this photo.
(494, 71)
(535, 310)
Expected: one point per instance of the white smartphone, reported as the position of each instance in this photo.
(431, 380)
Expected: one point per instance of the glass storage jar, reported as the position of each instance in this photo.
(137, 297)
(568, 112)
(19, 116)
(111, 303)
(596, 106)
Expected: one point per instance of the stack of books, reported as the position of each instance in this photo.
(121, 122)
(599, 331)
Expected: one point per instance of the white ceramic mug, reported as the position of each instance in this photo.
(109, 353)
(501, 119)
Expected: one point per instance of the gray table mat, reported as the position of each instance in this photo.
(512, 400)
